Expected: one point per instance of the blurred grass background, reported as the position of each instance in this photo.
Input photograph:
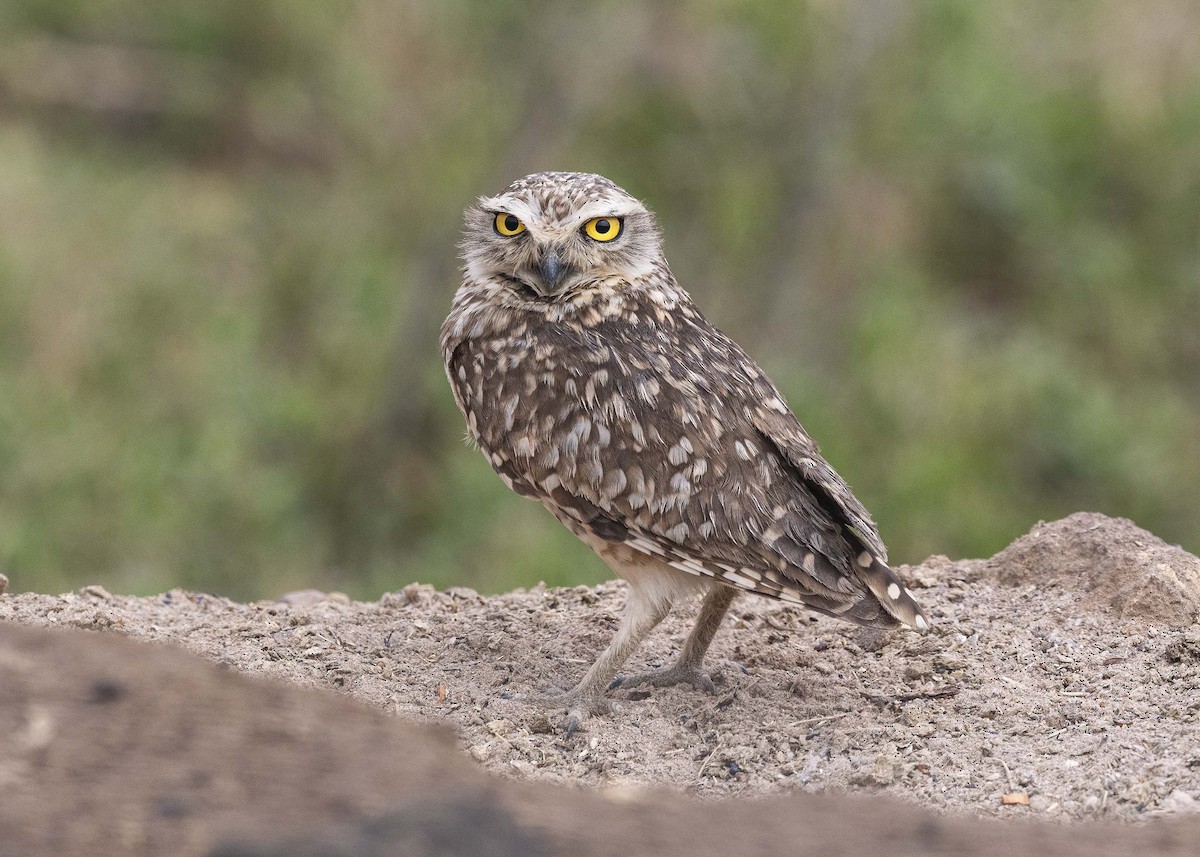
(963, 237)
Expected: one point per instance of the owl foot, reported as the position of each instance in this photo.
(677, 674)
(579, 706)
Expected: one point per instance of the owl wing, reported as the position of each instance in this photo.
(719, 479)
(793, 445)
(812, 474)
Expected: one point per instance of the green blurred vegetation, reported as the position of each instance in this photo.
(963, 237)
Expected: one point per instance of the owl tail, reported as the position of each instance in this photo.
(892, 595)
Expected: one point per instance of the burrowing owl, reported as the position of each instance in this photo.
(593, 384)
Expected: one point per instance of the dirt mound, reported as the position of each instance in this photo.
(114, 747)
(1116, 564)
(1058, 682)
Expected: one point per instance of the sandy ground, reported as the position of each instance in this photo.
(112, 746)
(1061, 679)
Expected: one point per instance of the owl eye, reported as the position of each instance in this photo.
(603, 228)
(508, 225)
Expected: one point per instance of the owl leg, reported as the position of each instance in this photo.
(687, 670)
(642, 613)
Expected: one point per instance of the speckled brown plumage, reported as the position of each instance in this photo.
(594, 385)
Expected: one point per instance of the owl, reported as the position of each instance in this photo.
(594, 385)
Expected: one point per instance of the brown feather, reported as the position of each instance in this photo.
(630, 417)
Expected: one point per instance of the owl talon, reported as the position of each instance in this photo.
(574, 721)
(677, 674)
(579, 707)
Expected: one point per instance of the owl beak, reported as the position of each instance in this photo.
(552, 270)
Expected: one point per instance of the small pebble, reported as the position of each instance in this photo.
(881, 772)
(1040, 803)
(481, 752)
(499, 728)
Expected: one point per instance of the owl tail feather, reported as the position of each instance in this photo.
(892, 595)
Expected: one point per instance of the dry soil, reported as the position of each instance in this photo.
(1060, 681)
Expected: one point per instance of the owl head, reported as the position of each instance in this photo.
(550, 235)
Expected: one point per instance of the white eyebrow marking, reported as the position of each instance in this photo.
(509, 205)
(606, 208)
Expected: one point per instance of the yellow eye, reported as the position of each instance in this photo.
(603, 228)
(508, 225)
